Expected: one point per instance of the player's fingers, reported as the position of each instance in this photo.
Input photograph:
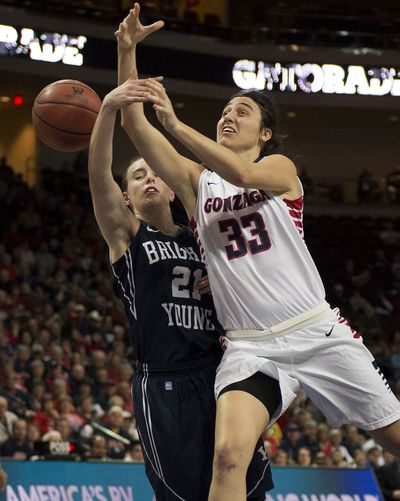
(132, 17)
(156, 86)
(203, 287)
(201, 282)
(119, 30)
(154, 27)
(154, 99)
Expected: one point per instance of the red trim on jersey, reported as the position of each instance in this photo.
(297, 204)
(342, 320)
(296, 212)
(193, 225)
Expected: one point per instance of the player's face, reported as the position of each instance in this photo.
(239, 127)
(145, 188)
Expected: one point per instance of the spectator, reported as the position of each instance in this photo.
(22, 358)
(352, 439)
(309, 438)
(85, 390)
(281, 458)
(77, 375)
(7, 418)
(101, 386)
(99, 361)
(36, 373)
(116, 446)
(324, 443)
(63, 427)
(97, 449)
(38, 395)
(304, 456)
(321, 460)
(360, 459)
(68, 412)
(17, 446)
(33, 435)
(337, 460)
(52, 436)
(290, 442)
(18, 399)
(135, 453)
(374, 458)
(389, 479)
(46, 417)
(336, 439)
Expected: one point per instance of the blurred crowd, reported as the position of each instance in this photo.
(369, 188)
(65, 354)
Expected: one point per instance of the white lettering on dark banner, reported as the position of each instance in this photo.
(313, 78)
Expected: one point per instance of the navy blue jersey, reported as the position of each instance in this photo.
(170, 321)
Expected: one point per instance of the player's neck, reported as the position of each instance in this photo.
(164, 223)
(249, 154)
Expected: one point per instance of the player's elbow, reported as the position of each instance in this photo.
(242, 178)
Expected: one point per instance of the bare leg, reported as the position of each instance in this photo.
(388, 437)
(241, 419)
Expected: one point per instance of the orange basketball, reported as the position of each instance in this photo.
(64, 114)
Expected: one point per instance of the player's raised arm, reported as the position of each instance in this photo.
(116, 222)
(241, 136)
(180, 173)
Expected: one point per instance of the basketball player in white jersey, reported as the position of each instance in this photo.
(247, 212)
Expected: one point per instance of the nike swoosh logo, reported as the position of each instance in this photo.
(211, 182)
(152, 229)
(327, 334)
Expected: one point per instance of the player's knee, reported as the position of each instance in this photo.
(230, 459)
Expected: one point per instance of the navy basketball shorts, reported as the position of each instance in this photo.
(175, 418)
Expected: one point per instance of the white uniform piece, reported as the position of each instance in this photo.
(260, 270)
(270, 298)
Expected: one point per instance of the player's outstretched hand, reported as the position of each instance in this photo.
(203, 285)
(131, 31)
(131, 91)
(162, 105)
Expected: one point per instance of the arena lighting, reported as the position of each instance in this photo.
(18, 100)
(314, 78)
(42, 46)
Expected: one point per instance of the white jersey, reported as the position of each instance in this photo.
(260, 270)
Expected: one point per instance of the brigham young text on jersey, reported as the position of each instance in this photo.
(156, 277)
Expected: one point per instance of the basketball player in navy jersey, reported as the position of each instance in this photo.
(281, 336)
(160, 276)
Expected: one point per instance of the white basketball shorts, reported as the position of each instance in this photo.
(328, 361)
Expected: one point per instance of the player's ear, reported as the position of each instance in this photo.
(172, 196)
(127, 201)
(266, 134)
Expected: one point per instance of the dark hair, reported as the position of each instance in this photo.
(123, 180)
(270, 119)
